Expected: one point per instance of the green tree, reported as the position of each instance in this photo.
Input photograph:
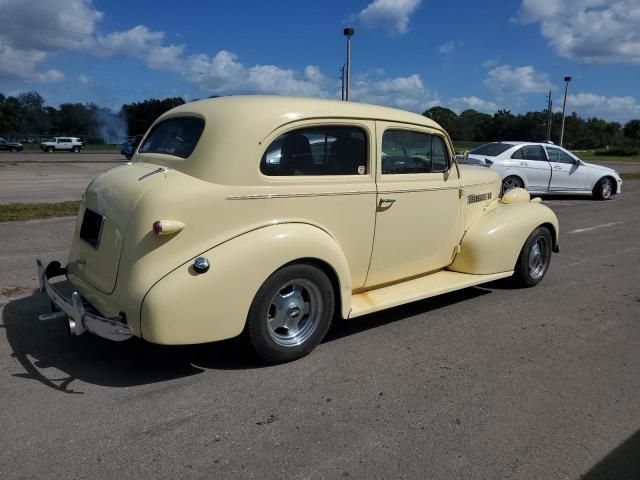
(632, 132)
(140, 116)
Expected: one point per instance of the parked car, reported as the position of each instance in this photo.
(71, 144)
(544, 168)
(235, 217)
(129, 146)
(10, 146)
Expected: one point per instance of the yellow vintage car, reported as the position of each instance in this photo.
(274, 216)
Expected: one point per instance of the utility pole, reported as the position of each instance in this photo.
(549, 106)
(564, 107)
(348, 32)
(342, 82)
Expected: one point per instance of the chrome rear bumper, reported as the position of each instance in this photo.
(73, 310)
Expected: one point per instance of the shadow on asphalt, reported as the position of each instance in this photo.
(55, 359)
(623, 463)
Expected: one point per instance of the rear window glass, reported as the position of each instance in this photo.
(491, 149)
(176, 136)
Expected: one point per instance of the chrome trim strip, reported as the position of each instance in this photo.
(157, 170)
(414, 190)
(267, 196)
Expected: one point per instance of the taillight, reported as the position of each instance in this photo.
(167, 227)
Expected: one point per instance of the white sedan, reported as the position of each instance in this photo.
(544, 168)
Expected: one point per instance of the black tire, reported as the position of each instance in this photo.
(76, 149)
(51, 149)
(278, 344)
(604, 189)
(511, 182)
(531, 268)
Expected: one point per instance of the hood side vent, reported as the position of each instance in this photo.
(478, 197)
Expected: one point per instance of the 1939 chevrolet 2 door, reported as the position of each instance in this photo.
(273, 216)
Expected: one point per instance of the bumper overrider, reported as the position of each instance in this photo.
(75, 311)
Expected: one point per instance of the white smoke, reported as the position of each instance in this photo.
(112, 127)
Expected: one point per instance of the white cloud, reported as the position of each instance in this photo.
(21, 64)
(592, 31)
(490, 62)
(448, 47)
(475, 103)
(83, 79)
(407, 93)
(134, 41)
(508, 80)
(609, 108)
(392, 15)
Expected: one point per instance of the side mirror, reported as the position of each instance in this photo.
(465, 156)
(488, 162)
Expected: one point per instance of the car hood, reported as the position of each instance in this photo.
(476, 175)
(600, 168)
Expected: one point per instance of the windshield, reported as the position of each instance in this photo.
(176, 136)
(491, 149)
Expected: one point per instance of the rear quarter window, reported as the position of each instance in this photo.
(175, 136)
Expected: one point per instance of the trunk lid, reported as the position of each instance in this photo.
(102, 222)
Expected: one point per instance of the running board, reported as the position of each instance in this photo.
(431, 285)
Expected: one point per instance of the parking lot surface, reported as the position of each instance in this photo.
(33, 177)
(485, 383)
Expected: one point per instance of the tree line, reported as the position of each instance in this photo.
(27, 114)
(579, 133)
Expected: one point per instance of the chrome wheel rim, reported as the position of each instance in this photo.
(606, 188)
(294, 313)
(538, 258)
(510, 183)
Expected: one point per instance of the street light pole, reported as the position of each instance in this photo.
(564, 107)
(549, 106)
(342, 82)
(348, 32)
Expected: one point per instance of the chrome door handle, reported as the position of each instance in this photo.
(387, 201)
(523, 164)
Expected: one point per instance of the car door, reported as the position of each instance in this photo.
(566, 175)
(418, 204)
(532, 162)
(62, 144)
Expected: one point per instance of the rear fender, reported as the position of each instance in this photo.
(185, 307)
(493, 242)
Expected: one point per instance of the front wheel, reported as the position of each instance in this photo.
(76, 149)
(51, 149)
(291, 313)
(534, 258)
(603, 189)
(511, 182)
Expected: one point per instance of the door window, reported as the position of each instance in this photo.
(530, 152)
(558, 156)
(329, 150)
(413, 152)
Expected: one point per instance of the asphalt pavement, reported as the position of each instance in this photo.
(489, 382)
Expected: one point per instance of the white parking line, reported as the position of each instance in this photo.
(595, 227)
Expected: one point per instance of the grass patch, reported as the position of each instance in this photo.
(630, 176)
(12, 212)
(591, 156)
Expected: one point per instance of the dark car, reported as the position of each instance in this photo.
(10, 146)
(129, 147)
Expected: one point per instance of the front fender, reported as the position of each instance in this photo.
(493, 242)
(185, 307)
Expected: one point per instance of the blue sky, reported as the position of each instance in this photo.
(411, 54)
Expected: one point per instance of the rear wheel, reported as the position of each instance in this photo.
(76, 149)
(510, 183)
(534, 258)
(51, 149)
(291, 313)
(603, 189)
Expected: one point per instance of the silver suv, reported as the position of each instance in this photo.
(71, 144)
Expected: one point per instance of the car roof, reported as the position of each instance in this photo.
(282, 109)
